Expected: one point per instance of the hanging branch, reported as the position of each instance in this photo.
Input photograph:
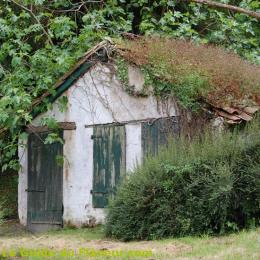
(229, 7)
(35, 18)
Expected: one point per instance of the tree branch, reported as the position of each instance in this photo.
(35, 18)
(229, 7)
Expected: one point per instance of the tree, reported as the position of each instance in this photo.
(229, 7)
(48, 36)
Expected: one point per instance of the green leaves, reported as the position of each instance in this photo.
(109, 20)
(60, 160)
(30, 64)
(191, 188)
(52, 138)
(62, 103)
(62, 27)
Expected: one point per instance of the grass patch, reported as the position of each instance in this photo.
(11, 228)
(240, 245)
(82, 233)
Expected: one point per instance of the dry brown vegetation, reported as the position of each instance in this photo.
(230, 80)
(243, 245)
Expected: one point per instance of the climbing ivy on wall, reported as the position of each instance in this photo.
(41, 39)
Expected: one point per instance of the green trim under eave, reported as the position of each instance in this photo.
(65, 85)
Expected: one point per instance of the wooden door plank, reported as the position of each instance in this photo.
(45, 181)
(157, 133)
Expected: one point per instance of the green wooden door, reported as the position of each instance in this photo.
(45, 179)
(156, 133)
(109, 162)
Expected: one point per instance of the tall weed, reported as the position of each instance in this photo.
(194, 72)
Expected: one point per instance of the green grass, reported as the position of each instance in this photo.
(242, 245)
(83, 233)
(10, 229)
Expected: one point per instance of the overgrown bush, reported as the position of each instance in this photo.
(209, 186)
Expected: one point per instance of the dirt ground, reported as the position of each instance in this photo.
(14, 236)
(243, 245)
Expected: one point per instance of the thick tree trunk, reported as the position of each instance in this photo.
(229, 7)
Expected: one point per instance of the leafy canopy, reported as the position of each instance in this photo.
(41, 39)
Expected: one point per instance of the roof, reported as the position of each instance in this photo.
(89, 59)
(101, 52)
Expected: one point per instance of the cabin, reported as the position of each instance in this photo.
(106, 132)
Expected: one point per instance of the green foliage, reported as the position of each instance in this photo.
(209, 186)
(60, 160)
(189, 88)
(1, 214)
(236, 32)
(50, 122)
(122, 72)
(63, 27)
(62, 103)
(8, 195)
(186, 89)
(53, 137)
(41, 39)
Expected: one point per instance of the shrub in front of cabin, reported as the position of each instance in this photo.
(208, 187)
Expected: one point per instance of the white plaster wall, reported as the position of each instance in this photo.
(96, 98)
(22, 183)
(133, 146)
(78, 178)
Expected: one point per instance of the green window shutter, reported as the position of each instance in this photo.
(109, 162)
(157, 132)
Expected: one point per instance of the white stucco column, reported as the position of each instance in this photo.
(133, 146)
(23, 182)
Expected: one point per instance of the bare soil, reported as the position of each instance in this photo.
(13, 236)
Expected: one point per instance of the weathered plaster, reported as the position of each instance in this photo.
(22, 183)
(135, 78)
(133, 146)
(96, 98)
